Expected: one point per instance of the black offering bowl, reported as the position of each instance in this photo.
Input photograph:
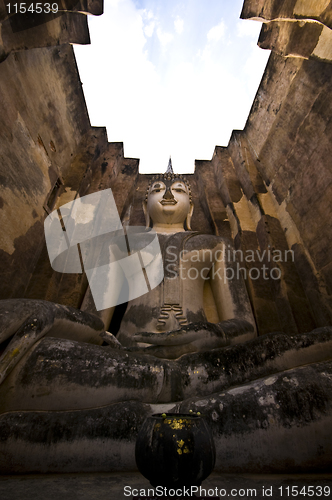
(175, 450)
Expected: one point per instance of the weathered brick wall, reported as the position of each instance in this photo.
(40, 133)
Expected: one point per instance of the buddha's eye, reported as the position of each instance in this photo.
(157, 188)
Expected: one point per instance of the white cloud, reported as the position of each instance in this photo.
(164, 38)
(248, 28)
(149, 29)
(254, 67)
(114, 3)
(178, 25)
(149, 22)
(149, 14)
(217, 32)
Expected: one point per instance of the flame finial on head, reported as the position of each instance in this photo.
(169, 169)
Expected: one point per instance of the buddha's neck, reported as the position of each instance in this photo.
(168, 228)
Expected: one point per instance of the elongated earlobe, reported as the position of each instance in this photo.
(189, 216)
(146, 215)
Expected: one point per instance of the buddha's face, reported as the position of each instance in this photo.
(168, 202)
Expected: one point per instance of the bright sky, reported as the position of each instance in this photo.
(171, 77)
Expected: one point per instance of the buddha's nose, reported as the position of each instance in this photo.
(168, 194)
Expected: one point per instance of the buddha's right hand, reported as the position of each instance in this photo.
(186, 335)
(196, 337)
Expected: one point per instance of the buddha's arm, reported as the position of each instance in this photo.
(232, 302)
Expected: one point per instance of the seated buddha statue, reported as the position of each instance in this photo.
(196, 306)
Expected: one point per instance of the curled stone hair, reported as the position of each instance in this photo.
(169, 177)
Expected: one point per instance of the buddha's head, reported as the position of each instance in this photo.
(168, 203)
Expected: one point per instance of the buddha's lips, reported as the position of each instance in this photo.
(168, 202)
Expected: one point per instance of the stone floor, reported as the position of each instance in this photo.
(102, 486)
